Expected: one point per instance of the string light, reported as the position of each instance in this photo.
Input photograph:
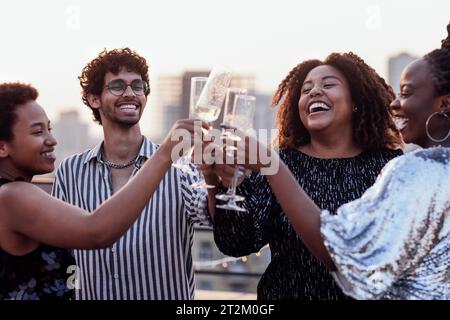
(215, 263)
(224, 262)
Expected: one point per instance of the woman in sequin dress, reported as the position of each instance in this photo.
(393, 242)
(335, 135)
(36, 229)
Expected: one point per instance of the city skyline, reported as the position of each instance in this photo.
(48, 42)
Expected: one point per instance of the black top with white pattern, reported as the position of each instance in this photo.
(294, 273)
(42, 274)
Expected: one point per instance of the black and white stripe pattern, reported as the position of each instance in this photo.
(153, 259)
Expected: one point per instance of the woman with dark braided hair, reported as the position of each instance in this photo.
(394, 241)
(335, 135)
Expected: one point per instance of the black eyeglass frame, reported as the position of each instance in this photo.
(125, 86)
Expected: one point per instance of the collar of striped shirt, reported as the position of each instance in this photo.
(147, 149)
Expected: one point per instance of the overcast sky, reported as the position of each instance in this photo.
(47, 42)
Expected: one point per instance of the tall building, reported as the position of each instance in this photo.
(168, 91)
(265, 115)
(72, 135)
(396, 65)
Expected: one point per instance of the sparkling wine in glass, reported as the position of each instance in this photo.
(210, 102)
(197, 85)
(228, 108)
(241, 117)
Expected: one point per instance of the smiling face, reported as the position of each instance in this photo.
(126, 109)
(415, 103)
(31, 151)
(325, 100)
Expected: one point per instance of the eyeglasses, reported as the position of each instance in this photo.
(118, 87)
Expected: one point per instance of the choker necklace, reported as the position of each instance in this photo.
(119, 165)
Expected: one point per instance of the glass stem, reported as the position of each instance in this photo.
(232, 188)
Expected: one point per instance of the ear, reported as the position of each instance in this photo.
(94, 101)
(4, 152)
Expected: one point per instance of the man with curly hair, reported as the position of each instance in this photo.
(153, 259)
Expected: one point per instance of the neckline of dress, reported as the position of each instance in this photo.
(362, 153)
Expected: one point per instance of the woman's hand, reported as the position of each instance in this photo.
(181, 137)
(251, 153)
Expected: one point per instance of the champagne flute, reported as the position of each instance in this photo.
(197, 85)
(229, 104)
(242, 117)
(210, 103)
(228, 109)
(228, 122)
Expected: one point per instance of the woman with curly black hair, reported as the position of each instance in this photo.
(372, 127)
(394, 241)
(335, 135)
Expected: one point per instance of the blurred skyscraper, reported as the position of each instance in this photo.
(396, 65)
(72, 135)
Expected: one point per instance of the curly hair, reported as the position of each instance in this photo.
(11, 96)
(439, 61)
(373, 127)
(93, 74)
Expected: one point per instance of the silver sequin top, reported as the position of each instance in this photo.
(394, 242)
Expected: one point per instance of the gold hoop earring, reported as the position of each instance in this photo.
(428, 132)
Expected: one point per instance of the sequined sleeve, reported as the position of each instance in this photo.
(381, 239)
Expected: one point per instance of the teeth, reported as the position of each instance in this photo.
(49, 155)
(128, 107)
(318, 106)
(400, 122)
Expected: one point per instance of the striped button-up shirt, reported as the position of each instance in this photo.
(153, 259)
